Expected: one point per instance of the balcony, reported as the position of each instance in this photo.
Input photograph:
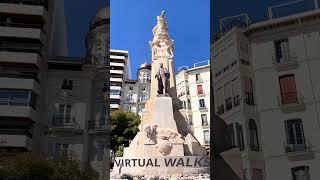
(24, 9)
(116, 64)
(285, 63)
(43, 3)
(203, 108)
(20, 58)
(291, 102)
(116, 79)
(17, 110)
(116, 71)
(15, 139)
(116, 88)
(98, 127)
(115, 96)
(296, 152)
(114, 106)
(19, 83)
(62, 124)
(27, 31)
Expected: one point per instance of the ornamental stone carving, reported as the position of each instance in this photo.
(151, 133)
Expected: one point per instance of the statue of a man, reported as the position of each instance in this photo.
(162, 77)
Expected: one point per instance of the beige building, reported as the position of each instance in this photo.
(119, 73)
(266, 89)
(193, 90)
(137, 92)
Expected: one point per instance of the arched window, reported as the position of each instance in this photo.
(253, 133)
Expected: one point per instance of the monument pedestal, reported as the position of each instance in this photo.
(158, 148)
(164, 145)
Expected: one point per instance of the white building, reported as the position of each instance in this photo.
(119, 72)
(193, 90)
(266, 89)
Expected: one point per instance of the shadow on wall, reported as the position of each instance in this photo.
(220, 169)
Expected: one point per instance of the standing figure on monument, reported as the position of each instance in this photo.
(162, 77)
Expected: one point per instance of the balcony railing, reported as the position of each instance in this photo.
(26, 132)
(290, 98)
(63, 122)
(28, 2)
(291, 148)
(20, 76)
(202, 108)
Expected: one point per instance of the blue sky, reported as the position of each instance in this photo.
(132, 22)
(78, 15)
(257, 10)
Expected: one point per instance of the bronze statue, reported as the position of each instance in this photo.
(162, 77)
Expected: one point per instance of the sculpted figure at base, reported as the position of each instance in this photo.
(163, 78)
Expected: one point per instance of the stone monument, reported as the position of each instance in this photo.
(163, 146)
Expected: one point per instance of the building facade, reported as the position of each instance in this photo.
(137, 92)
(266, 89)
(51, 104)
(26, 31)
(77, 100)
(119, 72)
(193, 90)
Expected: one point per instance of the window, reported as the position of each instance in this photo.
(257, 174)
(240, 136)
(253, 133)
(204, 120)
(115, 92)
(202, 104)
(103, 117)
(190, 120)
(228, 96)
(229, 137)
(198, 78)
(295, 135)
(236, 100)
(236, 91)
(61, 150)
(300, 173)
(288, 89)
(228, 104)
(206, 134)
(15, 97)
(105, 87)
(281, 50)
(63, 116)
(130, 88)
(129, 98)
(248, 91)
(189, 104)
(102, 149)
(144, 97)
(220, 101)
(200, 90)
(67, 84)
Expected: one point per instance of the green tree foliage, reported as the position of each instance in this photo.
(29, 166)
(124, 126)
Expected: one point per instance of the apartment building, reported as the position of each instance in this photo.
(27, 29)
(266, 89)
(193, 90)
(77, 100)
(137, 92)
(119, 72)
